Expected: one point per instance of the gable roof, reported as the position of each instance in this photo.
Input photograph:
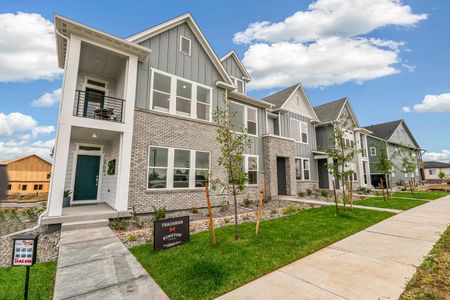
(386, 130)
(329, 112)
(279, 99)
(6, 162)
(435, 164)
(238, 61)
(185, 18)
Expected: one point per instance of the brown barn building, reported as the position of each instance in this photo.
(27, 175)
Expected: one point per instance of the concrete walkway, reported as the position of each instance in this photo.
(94, 264)
(375, 263)
(326, 203)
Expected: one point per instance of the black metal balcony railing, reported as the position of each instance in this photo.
(95, 105)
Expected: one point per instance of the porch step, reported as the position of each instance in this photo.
(84, 225)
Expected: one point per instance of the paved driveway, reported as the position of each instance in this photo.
(375, 263)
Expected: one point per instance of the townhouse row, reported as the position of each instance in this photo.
(135, 128)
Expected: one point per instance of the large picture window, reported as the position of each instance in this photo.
(180, 96)
(244, 116)
(299, 131)
(171, 168)
(302, 169)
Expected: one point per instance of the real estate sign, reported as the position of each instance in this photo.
(24, 250)
(169, 233)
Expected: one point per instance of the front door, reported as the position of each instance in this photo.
(323, 174)
(86, 178)
(281, 175)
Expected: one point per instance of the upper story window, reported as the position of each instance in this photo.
(373, 151)
(244, 116)
(349, 139)
(240, 85)
(185, 45)
(299, 131)
(180, 96)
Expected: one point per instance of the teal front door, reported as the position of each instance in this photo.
(86, 178)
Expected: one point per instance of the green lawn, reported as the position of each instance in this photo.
(42, 276)
(394, 203)
(197, 271)
(422, 195)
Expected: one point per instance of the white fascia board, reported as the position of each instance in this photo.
(249, 100)
(232, 53)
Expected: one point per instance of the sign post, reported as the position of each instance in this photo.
(169, 233)
(24, 254)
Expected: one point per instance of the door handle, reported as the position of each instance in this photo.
(96, 180)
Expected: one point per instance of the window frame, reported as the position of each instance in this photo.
(300, 123)
(173, 96)
(302, 169)
(246, 156)
(373, 151)
(190, 45)
(235, 82)
(171, 168)
(246, 107)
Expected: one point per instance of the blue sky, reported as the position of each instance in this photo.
(385, 62)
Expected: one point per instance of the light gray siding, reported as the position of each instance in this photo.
(232, 67)
(400, 136)
(166, 57)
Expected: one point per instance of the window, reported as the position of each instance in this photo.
(36, 186)
(239, 84)
(430, 172)
(24, 187)
(184, 94)
(185, 45)
(299, 131)
(171, 168)
(302, 169)
(179, 96)
(9, 187)
(161, 92)
(157, 175)
(373, 151)
(251, 168)
(349, 139)
(201, 168)
(240, 115)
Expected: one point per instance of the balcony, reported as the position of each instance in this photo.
(96, 105)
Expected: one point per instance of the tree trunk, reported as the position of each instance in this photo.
(335, 197)
(382, 189)
(343, 191)
(258, 220)
(211, 224)
(351, 193)
(390, 180)
(236, 231)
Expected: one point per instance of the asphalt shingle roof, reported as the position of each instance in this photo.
(280, 97)
(384, 130)
(329, 112)
(436, 164)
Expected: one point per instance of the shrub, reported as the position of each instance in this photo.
(364, 190)
(118, 224)
(131, 237)
(273, 211)
(194, 210)
(245, 218)
(325, 193)
(247, 202)
(136, 221)
(32, 214)
(290, 209)
(226, 220)
(309, 192)
(160, 213)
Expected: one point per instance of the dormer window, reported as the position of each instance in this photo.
(185, 45)
(239, 84)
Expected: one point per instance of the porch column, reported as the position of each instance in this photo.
(61, 151)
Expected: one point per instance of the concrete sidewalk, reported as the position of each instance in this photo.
(375, 263)
(94, 264)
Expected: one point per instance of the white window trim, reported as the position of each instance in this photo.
(95, 87)
(302, 174)
(373, 151)
(173, 96)
(246, 118)
(246, 156)
(300, 127)
(190, 45)
(235, 80)
(170, 168)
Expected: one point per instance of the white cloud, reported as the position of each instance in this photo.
(42, 130)
(431, 103)
(325, 45)
(48, 99)
(443, 156)
(331, 18)
(27, 48)
(322, 63)
(15, 122)
(12, 150)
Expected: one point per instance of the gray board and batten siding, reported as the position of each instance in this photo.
(232, 67)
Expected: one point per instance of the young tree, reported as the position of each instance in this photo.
(409, 166)
(232, 148)
(341, 155)
(441, 176)
(385, 166)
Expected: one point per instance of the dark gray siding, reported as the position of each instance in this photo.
(232, 67)
(372, 142)
(166, 57)
(324, 135)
